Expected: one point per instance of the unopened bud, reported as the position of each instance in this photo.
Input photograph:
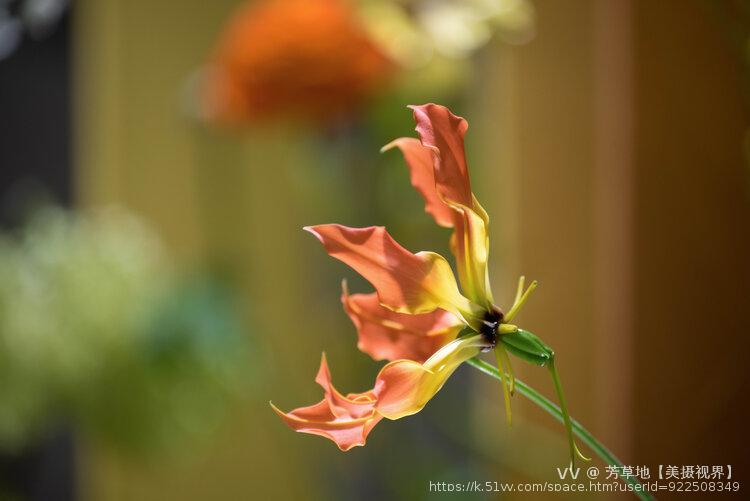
(528, 347)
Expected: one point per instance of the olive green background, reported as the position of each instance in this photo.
(609, 154)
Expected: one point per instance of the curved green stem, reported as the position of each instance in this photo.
(550, 407)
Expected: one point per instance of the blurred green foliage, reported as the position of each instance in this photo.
(100, 333)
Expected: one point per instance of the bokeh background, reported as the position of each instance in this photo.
(157, 163)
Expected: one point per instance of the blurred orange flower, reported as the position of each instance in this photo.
(303, 58)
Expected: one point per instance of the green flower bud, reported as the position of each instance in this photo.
(528, 347)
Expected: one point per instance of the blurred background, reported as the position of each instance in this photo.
(157, 163)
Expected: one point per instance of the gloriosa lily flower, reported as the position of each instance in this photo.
(418, 318)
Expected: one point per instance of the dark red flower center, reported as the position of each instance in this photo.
(490, 323)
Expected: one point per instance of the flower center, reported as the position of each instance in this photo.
(490, 323)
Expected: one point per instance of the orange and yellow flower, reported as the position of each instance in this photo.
(302, 58)
(418, 309)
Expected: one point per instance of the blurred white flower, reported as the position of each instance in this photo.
(413, 32)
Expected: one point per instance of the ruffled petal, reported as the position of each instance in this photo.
(404, 387)
(354, 405)
(405, 282)
(317, 420)
(419, 159)
(345, 420)
(387, 335)
(442, 133)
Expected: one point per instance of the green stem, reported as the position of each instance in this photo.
(586, 437)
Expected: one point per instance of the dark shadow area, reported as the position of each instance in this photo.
(35, 167)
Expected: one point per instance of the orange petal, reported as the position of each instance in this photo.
(355, 405)
(443, 132)
(345, 420)
(316, 420)
(387, 335)
(406, 282)
(404, 387)
(419, 159)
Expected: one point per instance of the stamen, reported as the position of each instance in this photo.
(574, 452)
(520, 302)
(580, 454)
(506, 359)
(507, 329)
(519, 290)
(506, 390)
